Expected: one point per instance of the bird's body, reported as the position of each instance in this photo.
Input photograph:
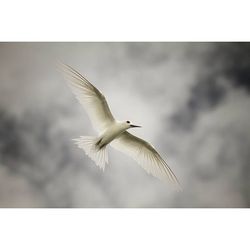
(112, 132)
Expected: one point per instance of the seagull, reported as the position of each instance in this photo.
(112, 132)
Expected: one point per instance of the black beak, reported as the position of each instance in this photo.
(134, 126)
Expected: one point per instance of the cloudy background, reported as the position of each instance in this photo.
(192, 100)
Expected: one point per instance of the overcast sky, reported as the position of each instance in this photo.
(192, 100)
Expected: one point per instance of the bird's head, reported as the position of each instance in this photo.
(128, 125)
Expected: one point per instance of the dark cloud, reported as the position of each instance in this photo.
(10, 144)
(235, 63)
(227, 64)
(206, 94)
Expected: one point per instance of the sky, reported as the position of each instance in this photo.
(192, 100)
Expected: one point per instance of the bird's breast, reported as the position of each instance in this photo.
(110, 134)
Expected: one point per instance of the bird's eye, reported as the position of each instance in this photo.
(128, 121)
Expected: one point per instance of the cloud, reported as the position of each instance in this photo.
(192, 100)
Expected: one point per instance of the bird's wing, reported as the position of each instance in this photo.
(145, 155)
(90, 97)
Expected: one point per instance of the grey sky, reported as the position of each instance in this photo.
(192, 100)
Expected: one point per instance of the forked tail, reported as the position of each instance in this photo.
(89, 145)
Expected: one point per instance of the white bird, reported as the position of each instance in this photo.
(113, 132)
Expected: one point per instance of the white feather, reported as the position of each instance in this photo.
(88, 144)
(91, 98)
(145, 155)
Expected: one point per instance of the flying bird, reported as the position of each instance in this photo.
(112, 132)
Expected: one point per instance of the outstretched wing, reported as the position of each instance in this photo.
(90, 97)
(145, 155)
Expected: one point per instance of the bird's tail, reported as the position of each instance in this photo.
(90, 145)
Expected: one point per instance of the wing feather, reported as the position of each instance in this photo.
(90, 97)
(145, 155)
